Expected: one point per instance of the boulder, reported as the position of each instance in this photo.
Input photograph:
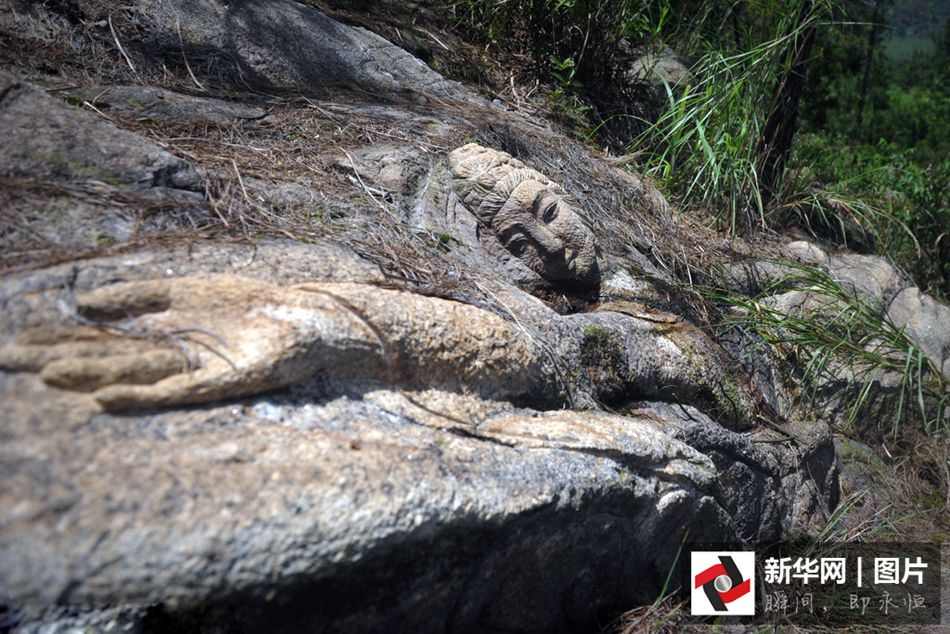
(362, 478)
(872, 278)
(288, 44)
(803, 252)
(659, 70)
(46, 139)
(287, 515)
(926, 322)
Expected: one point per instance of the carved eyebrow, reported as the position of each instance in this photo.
(539, 201)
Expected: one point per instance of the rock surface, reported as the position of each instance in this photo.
(461, 392)
(148, 103)
(242, 512)
(288, 44)
(230, 515)
(49, 139)
(70, 175)
(660, 71)
(926, 322)
(861, 292)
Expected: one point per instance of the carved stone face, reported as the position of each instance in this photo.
(530, 215)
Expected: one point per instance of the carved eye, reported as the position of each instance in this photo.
(549, 213)
(517, 247)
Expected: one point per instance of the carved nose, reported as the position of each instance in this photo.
(550, 247)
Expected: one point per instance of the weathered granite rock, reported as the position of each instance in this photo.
(33, 300)
(659, 70)
(750, 468)
(399, 170)
(253, 434)
(291, 515)
(873, 279)
(764, 366)
(148, 102)
(926, 322)
(77, 181)
(629, 354)
(187, 340)
(478, 514)
(288, 44)
(803, 252)
(854, 286)
(48, 139)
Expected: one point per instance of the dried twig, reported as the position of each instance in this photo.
(181, 43)
(119, 45)
(237, 172)
(437, 40)
(365, 188)
(89, 105)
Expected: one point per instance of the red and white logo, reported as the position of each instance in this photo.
(723, 583)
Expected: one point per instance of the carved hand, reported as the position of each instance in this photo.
(195, 340)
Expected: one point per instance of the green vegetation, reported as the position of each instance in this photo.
(723, 140)
(835, 333)
(592, 34)
(793, 114)
(888, 150)
(904, 48)
(903, 201)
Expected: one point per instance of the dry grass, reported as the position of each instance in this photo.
(916, 491)
(293, 145)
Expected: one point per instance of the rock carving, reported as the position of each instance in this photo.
(531, 215)
(201, 339)
(417, 424)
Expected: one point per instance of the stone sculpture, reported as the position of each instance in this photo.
(530, 215)
(193, 340)
(433, 465)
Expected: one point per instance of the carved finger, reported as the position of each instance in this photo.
(29, 358)
(86, 375)
(203, 386)
(124, 300)
(25, 358)
(48, 335)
